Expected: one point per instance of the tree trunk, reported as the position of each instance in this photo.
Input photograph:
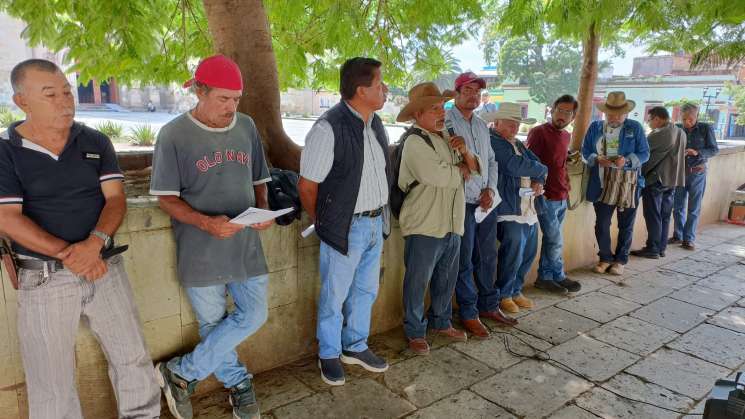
(590, 48)
(240, 30)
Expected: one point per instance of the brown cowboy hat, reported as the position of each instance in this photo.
(422, 96)
(615, 103)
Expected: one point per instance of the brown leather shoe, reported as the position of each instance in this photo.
(475, 328)
(688, 246)
(451, 333)
(499, 317)
(419, 346)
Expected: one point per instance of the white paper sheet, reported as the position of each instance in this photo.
(480, 214)
(526, 192)
(258, 215)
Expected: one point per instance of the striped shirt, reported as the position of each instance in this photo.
(317, 159)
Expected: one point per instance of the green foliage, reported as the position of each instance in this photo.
(7, 117)
(142, 135)
(111, 129)
(737, 93)
(681, 102)
(159, 41)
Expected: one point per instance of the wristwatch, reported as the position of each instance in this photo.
(103, 236)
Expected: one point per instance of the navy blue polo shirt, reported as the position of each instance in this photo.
(702, 139)
(62, 194)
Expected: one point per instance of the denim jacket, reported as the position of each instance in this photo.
(511, 168)
(633, 146)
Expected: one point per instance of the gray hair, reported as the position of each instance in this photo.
(199, 86)
(19, 71)
(689, 107)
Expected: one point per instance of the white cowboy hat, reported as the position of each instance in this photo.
(507, 110)
(615, 103)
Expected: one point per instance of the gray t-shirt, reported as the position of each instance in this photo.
(214, 170)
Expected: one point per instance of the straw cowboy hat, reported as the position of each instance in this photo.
(616, 102)
(507, 110)
(421, 96)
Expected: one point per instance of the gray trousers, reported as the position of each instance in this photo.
(49, 312)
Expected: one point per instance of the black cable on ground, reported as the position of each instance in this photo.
(540, 355)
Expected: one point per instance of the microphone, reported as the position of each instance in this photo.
(451, 131)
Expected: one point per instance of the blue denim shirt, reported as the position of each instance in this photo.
(702, 139)
(633, 147)
(511, 168)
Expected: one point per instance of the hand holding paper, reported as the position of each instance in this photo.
(253, 216)
(481, 214)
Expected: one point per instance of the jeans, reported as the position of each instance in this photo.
(349, 286)
(691, 196)
(221, 332)
(658, 207)
(551, 264)
(518, 246)
(603, 216)
(475, 291)
(49, 314)
(432, 263)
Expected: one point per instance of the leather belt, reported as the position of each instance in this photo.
(372, 214)
(54, 265)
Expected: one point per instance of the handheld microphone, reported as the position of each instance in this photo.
(451, 132)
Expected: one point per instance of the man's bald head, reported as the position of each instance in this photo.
(18, 74)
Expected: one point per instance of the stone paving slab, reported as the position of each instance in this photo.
(704, 240)
(725, 230)
(726, 283)
(673, 314)
(531, 388)
(592, 358)
(492, 351)
(599, 306)
(639, 290)
(276, 388)
(731, 248)
(464, 405)
(555, 325)
(644, 264)
(716, 257)
(637, 389)
(633, 335)
(737, 271)
(668, 278)
(693, 267)
(732, 318)
(714, 344)
(426, 379)
(705, 297)
(741, 302)
(541, 300)
(572, 412)
(363, 398)
(679, 372)
(590, 284)
(608, 405)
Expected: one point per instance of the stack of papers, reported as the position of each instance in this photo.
(258, 215)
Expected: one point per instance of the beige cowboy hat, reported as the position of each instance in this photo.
(507, 110)
(422, 96)
(616, 102)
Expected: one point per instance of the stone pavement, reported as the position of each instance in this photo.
(662, 333)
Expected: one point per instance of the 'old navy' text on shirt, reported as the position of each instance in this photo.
(207, 162)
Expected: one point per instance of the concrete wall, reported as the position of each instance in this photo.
(289, 334)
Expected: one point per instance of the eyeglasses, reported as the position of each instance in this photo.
(563, 112)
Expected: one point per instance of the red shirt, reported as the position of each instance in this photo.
(551, 145)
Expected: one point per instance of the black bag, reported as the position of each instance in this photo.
(282, 191)
(397, 195)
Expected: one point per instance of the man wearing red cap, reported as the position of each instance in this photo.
(475, 291)
(203, 162)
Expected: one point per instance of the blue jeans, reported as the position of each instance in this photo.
(475, 291)
(349, 285)
(603, 216)
(518, 246)
(551, 264)
(222, 332)
(658, 207)
(432, 263)
(691, 196)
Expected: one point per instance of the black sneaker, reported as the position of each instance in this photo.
(243, 400)
(367, 359)
(177, 391)
(332, 372)
(570, 285)
(550, 286)
(645, 253)
(662, 254)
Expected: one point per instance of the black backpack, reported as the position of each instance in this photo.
(397, 195)
(282, 191)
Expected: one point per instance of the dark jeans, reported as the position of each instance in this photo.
(430, 262)
(518, 246)
(658, 208)
(475, 291)
(603, 216)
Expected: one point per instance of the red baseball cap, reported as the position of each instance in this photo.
(218, 71)
(469, 77)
